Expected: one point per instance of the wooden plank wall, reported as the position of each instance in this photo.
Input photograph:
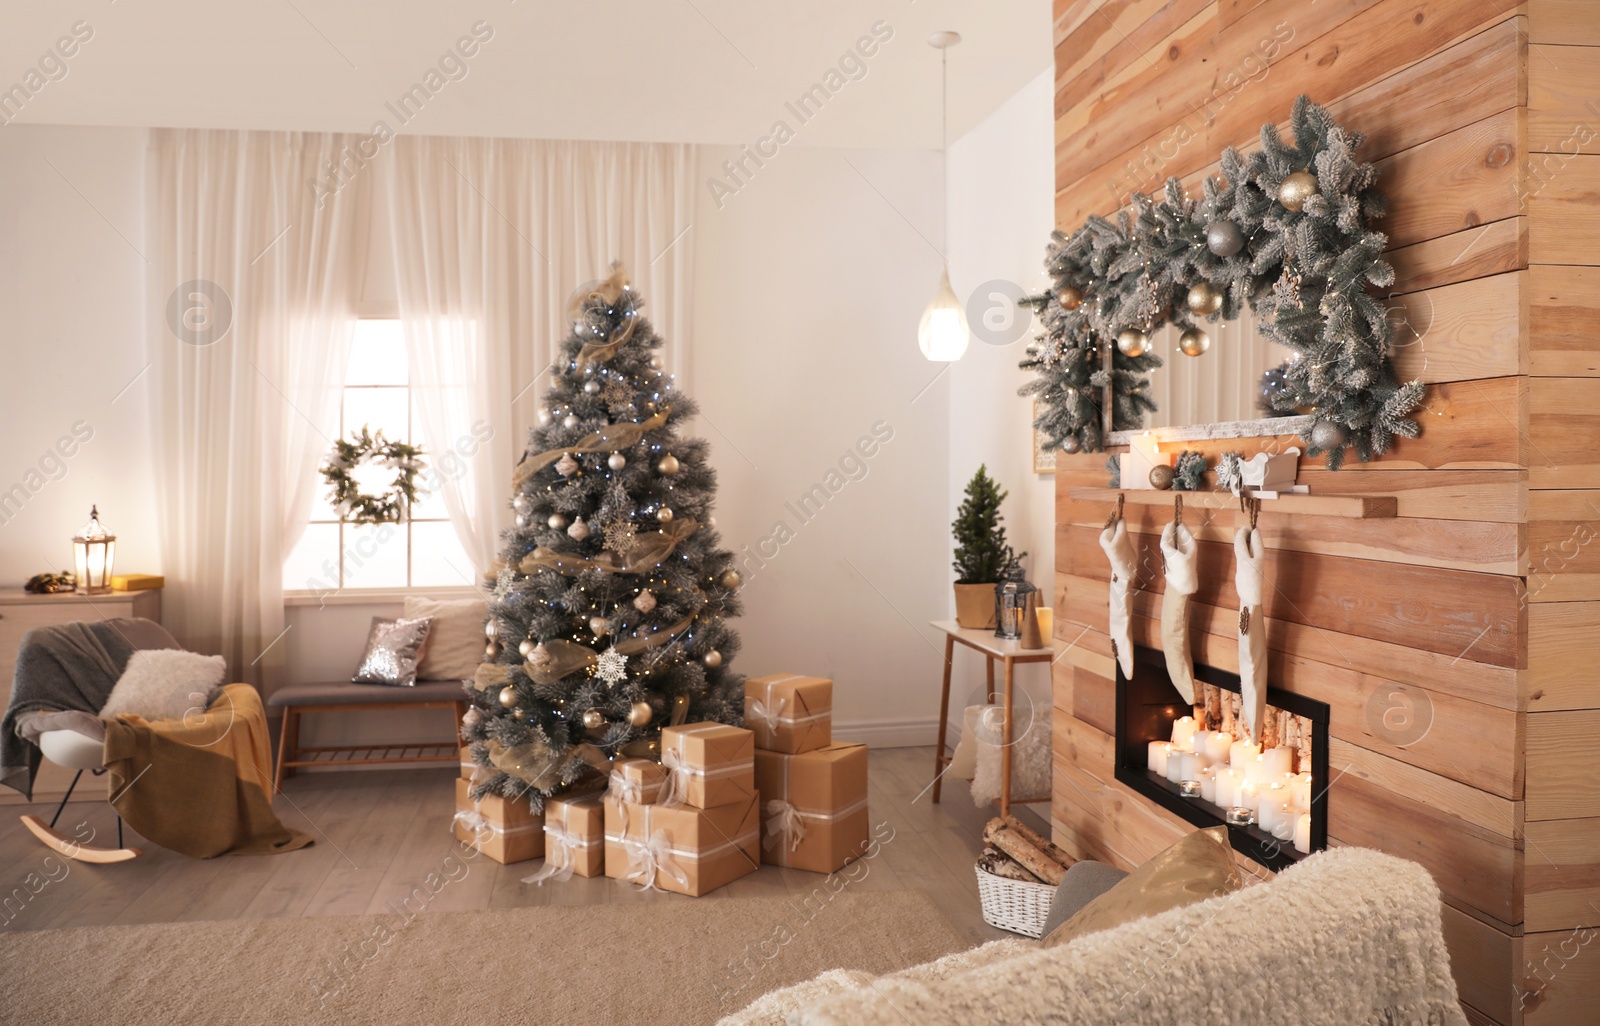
(1458, 644)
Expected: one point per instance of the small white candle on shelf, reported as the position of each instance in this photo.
(1277, 761)
(1217, 743)
(1183, 732)
(1274, 794)
(1242, 753)
(1302, 833)
(1228, 781)
(1188, 766)
(1208, 783)
(1157, 759)
(1175, 764)
(1268, 816)
(1249, 796)
(1300, 792)
(1198, 743)
(1143, 453)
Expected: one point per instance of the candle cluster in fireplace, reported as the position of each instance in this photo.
(1270, 788)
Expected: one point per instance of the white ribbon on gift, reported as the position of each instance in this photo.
(675, 790)
(653, 855)
(560, 845)
(789, 823)
(483, 829)
(768, 714)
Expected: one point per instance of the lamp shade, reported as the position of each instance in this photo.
(93, 550)
(943, 332)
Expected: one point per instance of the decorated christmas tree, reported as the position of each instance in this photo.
(609, 615)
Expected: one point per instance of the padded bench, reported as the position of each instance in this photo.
(343, 696)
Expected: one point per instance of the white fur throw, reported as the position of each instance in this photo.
(1349, 937)
(165, 683)
(1030, 754)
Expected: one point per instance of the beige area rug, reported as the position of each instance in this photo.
(658, 963)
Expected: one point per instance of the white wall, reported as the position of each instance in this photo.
(1001, 210)
(808, 286)
(72, 292)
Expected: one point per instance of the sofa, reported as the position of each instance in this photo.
(1346, 937)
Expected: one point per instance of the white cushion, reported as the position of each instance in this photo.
(455, 640)
(165, 683)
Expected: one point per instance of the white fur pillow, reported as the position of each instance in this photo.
(165, 683)
(455, 639)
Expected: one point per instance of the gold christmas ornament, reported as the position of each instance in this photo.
(1071, 444)
(639, 714)
(518, 714)
(1132, 342)
(1193, 342)
(593, 720)
(1204, 299)
(617, 461)
(508, 696)
(664, 514)
(1070, 297)
(731, 579)
(525, 649)
(598, 626)
(1161, 476)
(579, 530)
(712, 659)
(557, 521)
(1294, 190)
(668, 464)
(491, 651)
(644, 602)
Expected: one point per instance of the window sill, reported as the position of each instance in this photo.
(372, 596)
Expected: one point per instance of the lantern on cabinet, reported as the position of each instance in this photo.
(1012, 602)
(93, 549)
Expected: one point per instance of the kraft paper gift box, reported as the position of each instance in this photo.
(814, 815)
(501, 828)
(637, 780)
(707, 765)
(469, 768)
(574, 839)
(681, 848)
(789, 713)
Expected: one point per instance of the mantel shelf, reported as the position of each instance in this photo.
(1355, 507)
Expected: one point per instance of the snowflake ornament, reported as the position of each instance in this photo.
(620, 537)
(618, 396)
(612, 667)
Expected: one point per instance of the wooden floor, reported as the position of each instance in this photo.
(379, 834)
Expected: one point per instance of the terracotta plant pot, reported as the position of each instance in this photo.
(975, 606)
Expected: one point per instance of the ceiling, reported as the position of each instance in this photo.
(706, 71)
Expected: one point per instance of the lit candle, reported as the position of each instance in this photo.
(1143, 453)
(1300, 792)
(1228, 781)
(1183, 732)
(1242, 753)
(1208, 784)
(1217, 744)
(1302, 833)
(1198, 743)
(1157, 759)
(1268, 815)
(1275, 794)
(1047, 623)
(1277, 761)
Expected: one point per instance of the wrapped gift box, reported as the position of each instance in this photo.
(469, 768)
(789, 713)
(575, 835)
(708, 764)
(501, 828)
(637, 780)
(815, 813)
(681, 848)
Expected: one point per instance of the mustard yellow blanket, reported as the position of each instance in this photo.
(200, 785)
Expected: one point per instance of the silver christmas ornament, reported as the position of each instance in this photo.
(508, 696)
(616, 461)
(579, 530)
(525, 648)
(591, 387)
(557, 521)
(1224, 238)
(1070, 444)
(598, 626)
(644, 602)
(544, 418)
(566, 466)
(489, 630)
(1327, 435)
(570, 422)
(712, 659)
(664, 514)
(668, 464)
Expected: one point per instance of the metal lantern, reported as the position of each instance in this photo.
(1011, 603)
(93, 549)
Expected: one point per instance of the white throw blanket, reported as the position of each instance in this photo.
(1350, 937)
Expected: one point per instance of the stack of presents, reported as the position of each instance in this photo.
(722, 801)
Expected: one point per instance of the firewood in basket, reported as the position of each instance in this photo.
(995, 861)
(1031, 858)
(1056, 854)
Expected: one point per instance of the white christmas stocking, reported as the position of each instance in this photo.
(1247, 553)
(1179, 549)
(1119, 550)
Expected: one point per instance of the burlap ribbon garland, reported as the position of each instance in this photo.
(611, 438)
(608, 292)
(568, 657)
(648, 552)
(539, 766)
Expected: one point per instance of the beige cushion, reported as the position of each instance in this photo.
(455, 640)
(1198, 867)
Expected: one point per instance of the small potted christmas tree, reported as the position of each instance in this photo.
(982, 554)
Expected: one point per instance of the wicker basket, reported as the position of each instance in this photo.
(1020, 906)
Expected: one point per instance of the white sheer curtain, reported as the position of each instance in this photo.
(492, 237)
(251, 285)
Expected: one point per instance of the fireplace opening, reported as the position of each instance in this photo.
(1275, 815)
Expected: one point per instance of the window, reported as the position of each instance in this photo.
(420, 553)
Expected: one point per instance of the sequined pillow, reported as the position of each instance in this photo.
(394, 649)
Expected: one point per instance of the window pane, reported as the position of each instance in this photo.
(437, 558)
(309, 564)
(381, 409)
(374, 556)
(378, 354)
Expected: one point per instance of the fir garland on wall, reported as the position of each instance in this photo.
(1284, 231)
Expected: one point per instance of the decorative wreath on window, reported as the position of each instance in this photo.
(356, 506)
(1284, 230)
